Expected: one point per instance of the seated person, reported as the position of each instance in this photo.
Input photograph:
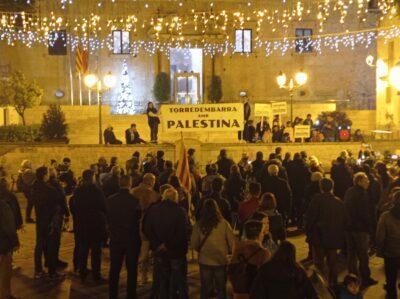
(132, 135)
(249, 132)
(358, 137)
(109, 136)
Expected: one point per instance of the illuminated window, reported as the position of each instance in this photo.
(303, 40)
(121, 42)
(243, 41)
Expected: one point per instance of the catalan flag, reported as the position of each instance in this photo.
(182, 170)
(81, 60)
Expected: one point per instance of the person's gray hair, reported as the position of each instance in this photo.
(358, 177)
(316, 176)
(170, 194)
(273, 170)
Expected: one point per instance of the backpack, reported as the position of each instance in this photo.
(241, 273)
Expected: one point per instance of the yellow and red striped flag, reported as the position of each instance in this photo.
(182, 169)
(81, 60)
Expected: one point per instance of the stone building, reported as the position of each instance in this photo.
(334, 75)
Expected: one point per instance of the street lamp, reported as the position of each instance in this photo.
(92, 80)
(300, 79)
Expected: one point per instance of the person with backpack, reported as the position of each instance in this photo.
(248, 256)
(282, 277)
(213, 239)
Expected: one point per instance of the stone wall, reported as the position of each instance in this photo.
(83, 155)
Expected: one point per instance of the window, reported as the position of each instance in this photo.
(121, 42)
(57, 43)
(243, 41)
(303, 40)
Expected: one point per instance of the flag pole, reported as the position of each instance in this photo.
(71, 79)
(80, 88)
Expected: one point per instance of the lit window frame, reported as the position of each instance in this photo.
(122, 50)
(302, 40)
(243, 51)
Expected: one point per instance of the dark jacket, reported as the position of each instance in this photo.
(277, 281)
(89, 211)
(299, 177)
(152, 120)
(342, 177)
(234, 189)
(128, 136)
(280, 188)
(123, 214)
(357, 209)
(167, 223)
(164, 176)
(8, 230)
(388, 233)
(48, 203)
(111, 186)
(12, 201)
(326, 221)
(224, 167)
(109, 137)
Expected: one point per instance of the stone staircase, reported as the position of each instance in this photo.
(86, 131)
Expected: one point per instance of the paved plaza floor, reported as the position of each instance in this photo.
(26, 287)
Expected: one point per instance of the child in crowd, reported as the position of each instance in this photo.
(351, 288)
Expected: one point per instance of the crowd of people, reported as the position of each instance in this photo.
(264, 132)
(236, 218)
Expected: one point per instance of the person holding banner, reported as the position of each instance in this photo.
(153, 121)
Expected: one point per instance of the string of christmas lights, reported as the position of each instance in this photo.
(282, 46)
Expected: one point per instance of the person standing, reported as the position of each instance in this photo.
(8, 244)
(89, 210)
(251, 205)
(213, 239)
(153, 121)
(123, 214)
(147, 197)
(251, 252)
(326, 224)
(47, 206)
(388, 245)
(342, 177)
(224, 164)
(166, 228)
(25, 180)
(279, 188)
(61, 215)
(358, 229)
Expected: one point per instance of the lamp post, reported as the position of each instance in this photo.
(109, 80)
(385, 76)
(299, 80)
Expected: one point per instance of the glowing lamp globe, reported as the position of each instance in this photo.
(394, 77)
(90, 80)
(370, 60)
(109, 80)
(381, 68)
(301, 78)
(281, 79)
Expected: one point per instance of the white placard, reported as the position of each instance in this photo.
(204, 117)
(261, 110)
(279, 108)
(302, 131)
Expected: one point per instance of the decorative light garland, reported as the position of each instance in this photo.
(211, 29)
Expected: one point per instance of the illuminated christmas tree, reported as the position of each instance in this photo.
(125, 103)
